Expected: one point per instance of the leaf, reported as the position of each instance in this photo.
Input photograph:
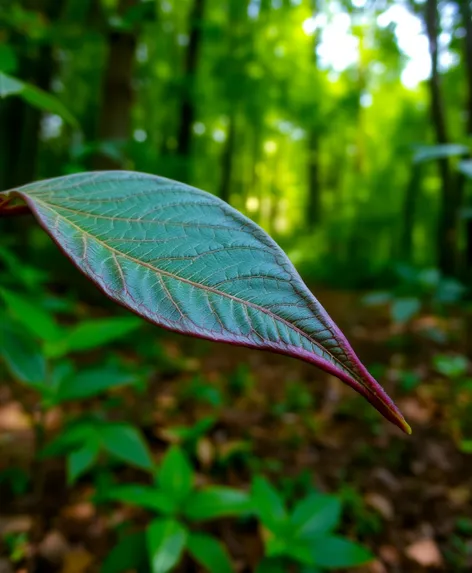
(209, 553)
(430, 152)
(404, 309)
(72, 437)
(268, 504)
(89, 383)
(216, 501)
(190, 434)
(142, 496)
(44, 101)
(465, 167)
(166, 540)
(21, 353)
(465, 446)
(300, 551)
(95, 333)
(315, 515)
(175, 476)
(189, 262)
(128, 554)
(8, 60)
(336, 553)
(125, 443)
(9, 86)
(79, 461)
(38, 321)
(452, 366)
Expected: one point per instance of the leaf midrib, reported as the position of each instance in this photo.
(200, 286)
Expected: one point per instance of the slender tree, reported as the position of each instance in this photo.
(20, 122)
(465, 11)
(117, 90)
(187, 109)
(448, 211)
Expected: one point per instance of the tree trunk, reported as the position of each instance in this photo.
(412, 193)
(227, 161)
(466, 16)
(313, 212)
(117, 91)
(187, 110)
(20, 131)
(448, 211)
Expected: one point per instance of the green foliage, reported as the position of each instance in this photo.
(305, 534)
(166, 540)
(17, 546)
(84, 439)
(10, 86)
(209, 553)
(415, 290)
(179, 505)
(456, 369)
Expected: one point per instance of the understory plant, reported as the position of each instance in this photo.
(179, 509)
(303, 536)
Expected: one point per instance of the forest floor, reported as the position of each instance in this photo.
(408, 498)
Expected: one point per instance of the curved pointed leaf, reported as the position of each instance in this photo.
(10, 86)
(189, 262)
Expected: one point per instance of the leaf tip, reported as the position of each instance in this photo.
(399, 421)
(406, 427)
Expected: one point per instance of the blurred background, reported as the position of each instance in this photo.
(344, 128)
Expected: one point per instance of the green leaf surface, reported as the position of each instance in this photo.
(21, 353)
(300, 552)
(315, 515)
(277, 546)
(209, 553)
(8, 60)
(166, 540)
(128, 554)
(268, 504)
(73, 436)
(175, 475)
(10, 86)
(91, 334)
(336, 553)
(142, 496)
(189, 262)
(30, 314)
(451, 365)
(82, 459)
(216, 501)
(88, 383)
(465, 446)
(125, 443)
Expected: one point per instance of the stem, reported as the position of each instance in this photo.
(7, 209)
(38, 416)
(13, 210)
